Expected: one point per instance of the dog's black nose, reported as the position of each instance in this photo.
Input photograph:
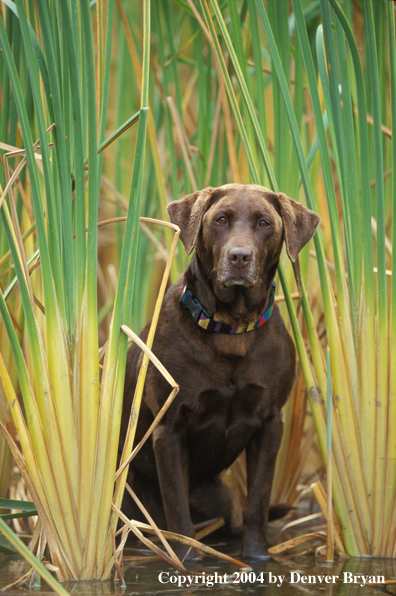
(240, 256)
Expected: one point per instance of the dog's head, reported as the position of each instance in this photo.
(238, 230)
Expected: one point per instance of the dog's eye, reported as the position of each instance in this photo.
(263, 223)
(221, 219)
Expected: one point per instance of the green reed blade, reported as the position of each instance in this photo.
(390, 478)
(259, 77)
(230, 91)
(368, 263)
(55, 278)
(64, 164)
(106, 77)
(352, 202)
(382, 298)
(330, 85)
(366, 346)
(93, 181)
(78, 152)
(34, 562)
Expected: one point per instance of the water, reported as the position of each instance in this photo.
(277, 576)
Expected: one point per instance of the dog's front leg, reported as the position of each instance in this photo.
(172, 467)
(261, 453)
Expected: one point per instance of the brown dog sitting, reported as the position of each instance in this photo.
(221, 337)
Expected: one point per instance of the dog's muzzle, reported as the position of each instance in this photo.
(238, 267)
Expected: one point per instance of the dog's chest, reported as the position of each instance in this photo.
(229, 401)
(221, 424)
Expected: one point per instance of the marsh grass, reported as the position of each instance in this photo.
(69, 435)
(297, 100)
(311, 116)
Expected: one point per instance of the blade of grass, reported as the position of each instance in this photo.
(379, 450)
(33, 561)
(390, 477)
(78, 148)
(329, 509)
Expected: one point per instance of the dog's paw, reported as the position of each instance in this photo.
(262, 555)
(253, 550)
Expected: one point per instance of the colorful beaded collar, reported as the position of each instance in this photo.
(201, 316)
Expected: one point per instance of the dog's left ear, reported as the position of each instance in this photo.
(299, 224)
(187, 213)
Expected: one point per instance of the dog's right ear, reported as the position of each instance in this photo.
(187, 213)
(299, 224)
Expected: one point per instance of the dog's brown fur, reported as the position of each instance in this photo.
(232, 387)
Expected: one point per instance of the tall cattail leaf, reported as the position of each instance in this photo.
(377, 467)
(390, 478)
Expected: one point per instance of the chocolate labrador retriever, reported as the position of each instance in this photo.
(221, 337)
